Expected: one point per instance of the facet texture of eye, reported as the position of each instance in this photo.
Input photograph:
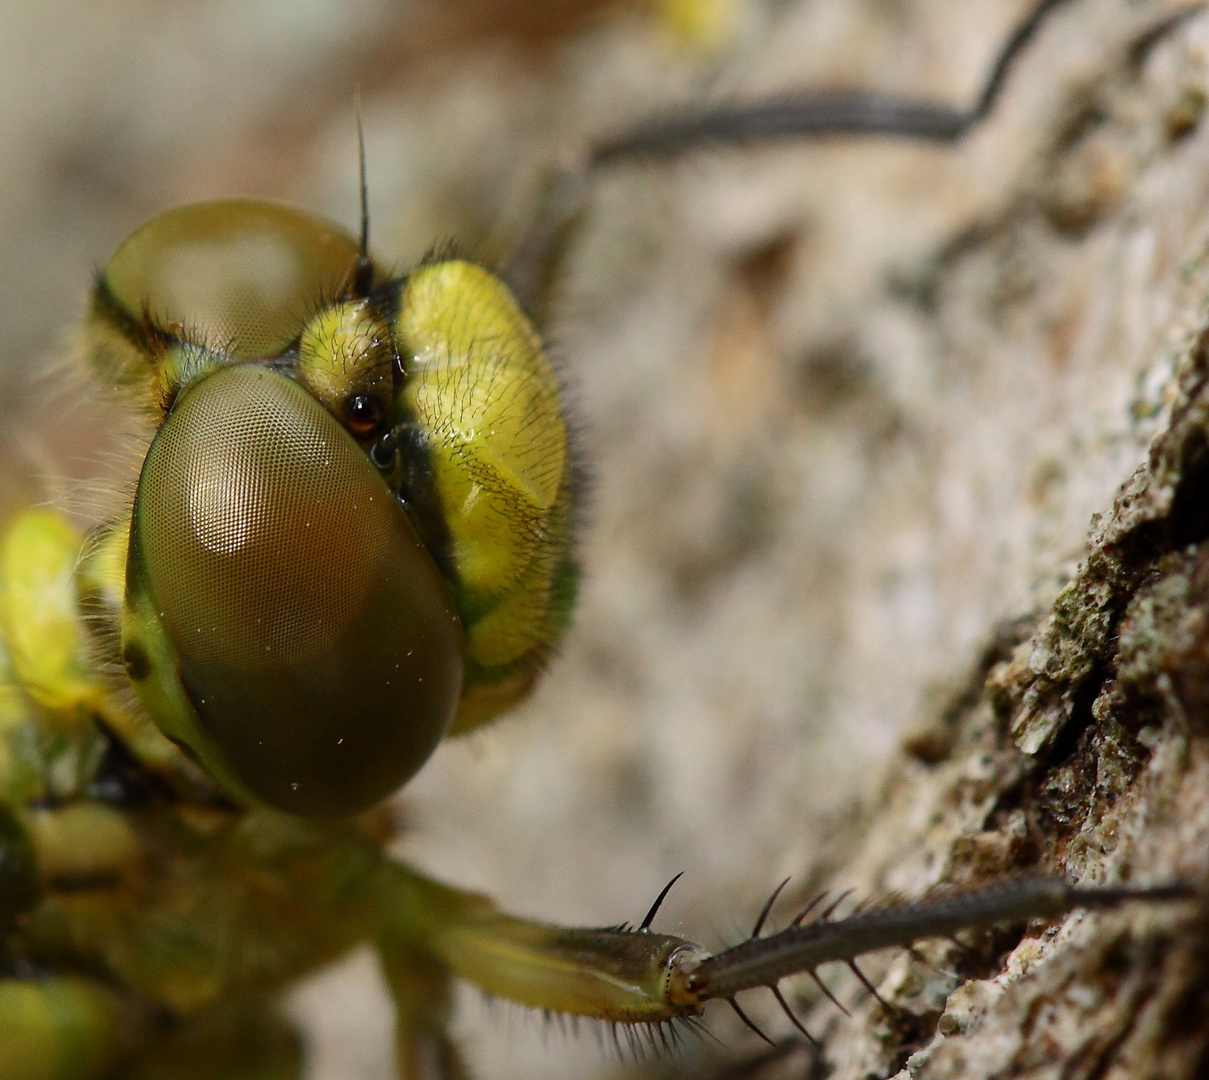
(313, 636)
(203, 285)
(240, 275)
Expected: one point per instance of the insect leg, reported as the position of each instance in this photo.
(815, 113)
(541, 246)
(765, 961)
(423, 995)
(635, 976)
(613, 974)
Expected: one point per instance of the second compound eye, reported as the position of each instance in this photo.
(364, 414)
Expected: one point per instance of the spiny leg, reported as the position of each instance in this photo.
(627, 976)
(559, 204)
(815, 113)
(802, 948)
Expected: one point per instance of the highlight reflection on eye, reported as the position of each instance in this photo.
(223, 511)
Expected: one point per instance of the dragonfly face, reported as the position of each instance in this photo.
(340, 543)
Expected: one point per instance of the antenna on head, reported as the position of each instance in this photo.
(363, 276)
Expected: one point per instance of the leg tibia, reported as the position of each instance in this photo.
(423, 994)
(629, 976)
(617, 975)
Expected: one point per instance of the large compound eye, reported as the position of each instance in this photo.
(283, 621)
(240, 276)
(203, 285)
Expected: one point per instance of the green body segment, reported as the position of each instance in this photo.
(62, 1029)
(352, 528)
(484, 392)
(183, 908)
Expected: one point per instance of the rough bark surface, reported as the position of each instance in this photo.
(896, 559)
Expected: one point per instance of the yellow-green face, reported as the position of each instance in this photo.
(350, 534)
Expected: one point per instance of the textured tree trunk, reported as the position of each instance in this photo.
(1045, 365)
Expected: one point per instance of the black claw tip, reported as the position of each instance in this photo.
(834, 904)
(776, 992)
(744, 1017)
(650, 915)
(767, 908)
(797, 919)
(869, 986)
(827, 992)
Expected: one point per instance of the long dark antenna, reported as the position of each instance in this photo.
(363, 276)
(827, 112)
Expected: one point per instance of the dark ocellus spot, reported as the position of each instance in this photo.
(136, 660)
(18, 872)
(122, 780)
(185, 749)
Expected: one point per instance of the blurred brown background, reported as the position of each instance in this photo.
(829, 454)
